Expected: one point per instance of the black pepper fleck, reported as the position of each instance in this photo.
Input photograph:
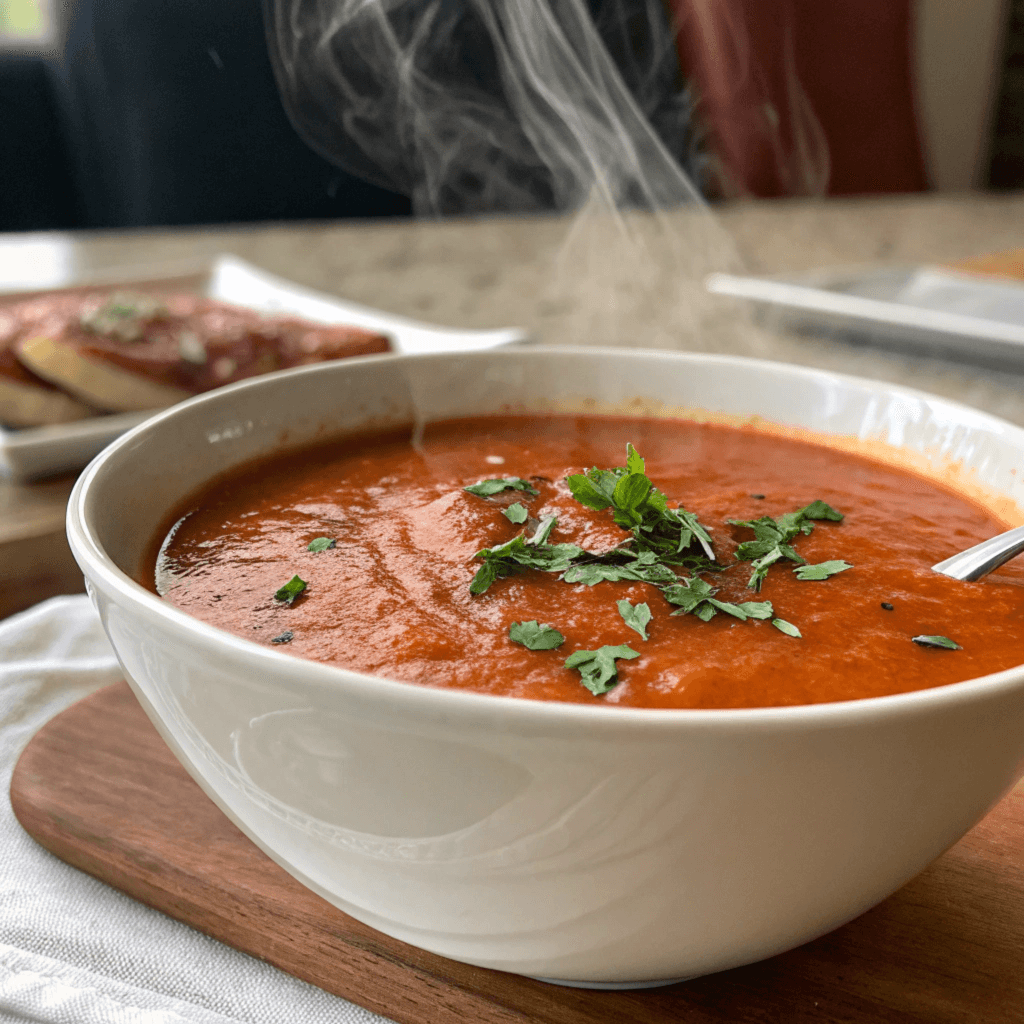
(759, 497)
(283, 638)
(888, 607)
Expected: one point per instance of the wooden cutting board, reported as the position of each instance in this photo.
(100, 789)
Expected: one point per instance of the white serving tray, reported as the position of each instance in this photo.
(41, 451)
(928, 309)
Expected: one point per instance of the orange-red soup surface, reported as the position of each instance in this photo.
(392, 597)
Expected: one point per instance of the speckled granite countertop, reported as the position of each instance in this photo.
(586, 281)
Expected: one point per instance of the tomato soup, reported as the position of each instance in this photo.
(706, 566)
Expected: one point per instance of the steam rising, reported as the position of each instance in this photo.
(492, 106)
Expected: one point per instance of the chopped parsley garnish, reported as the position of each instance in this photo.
(787, 627)
(772, 537)
(290, 590)
(942, 642)
(535, 636)
(618, 565)
(520, 554)
(516, 513)
(638, 506)
(487, 488)
(321, 544)
(540, 535)
(635, 616)
(696, 596)
(598, 667)
(822, 570)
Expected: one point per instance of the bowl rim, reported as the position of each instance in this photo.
(443, 702)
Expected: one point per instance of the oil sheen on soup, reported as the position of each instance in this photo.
(598, 560)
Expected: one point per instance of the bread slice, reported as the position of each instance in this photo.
(127, 353)
(26, 400)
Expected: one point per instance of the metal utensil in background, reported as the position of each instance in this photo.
(981, 559)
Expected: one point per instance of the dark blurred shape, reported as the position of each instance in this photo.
(37, 189)
(478, 106)
(170, 115)
(1006, 166)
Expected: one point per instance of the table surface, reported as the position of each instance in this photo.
(591, 280)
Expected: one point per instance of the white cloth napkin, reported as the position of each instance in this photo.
(73, 950)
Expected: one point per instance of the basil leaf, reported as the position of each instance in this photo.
(321, 544)
(937, 641)
(786, 627)
(635, 616)
(516, 513)
(822, 570)
(534, 636)
(290, 590)
(634, 464)
(597, 668)
(485, 488)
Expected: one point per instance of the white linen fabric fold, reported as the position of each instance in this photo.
(73, 950)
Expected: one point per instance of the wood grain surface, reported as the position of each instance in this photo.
(100, 789)
(35, 560)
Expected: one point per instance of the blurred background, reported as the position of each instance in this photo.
(131, 113)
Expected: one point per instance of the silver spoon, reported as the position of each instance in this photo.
(980, 560)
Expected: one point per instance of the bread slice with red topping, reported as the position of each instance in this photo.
(27, 400)
(124, 353)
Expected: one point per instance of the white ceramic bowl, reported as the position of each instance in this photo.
(579, 844)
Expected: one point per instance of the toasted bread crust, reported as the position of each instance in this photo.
(97, 382)
(25, 405)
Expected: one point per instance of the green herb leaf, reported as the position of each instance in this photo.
(688, 594)
(486, 575)
(820, 510)
(586, 492)
(635, 616)
(786, 627)
(772, 537)
(642, 568)
(290, 590)
(597, 668)
(321, 544)
(516, 513)
(486, 488)
(534, 636)
(638, 506)
(543, 531)
(517, 555)
(822, 570)
(757, 609)
(937, 641)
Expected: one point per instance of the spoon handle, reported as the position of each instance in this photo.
(980, 560)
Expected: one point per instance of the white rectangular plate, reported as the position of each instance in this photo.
(927, 309)
(41, 451)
